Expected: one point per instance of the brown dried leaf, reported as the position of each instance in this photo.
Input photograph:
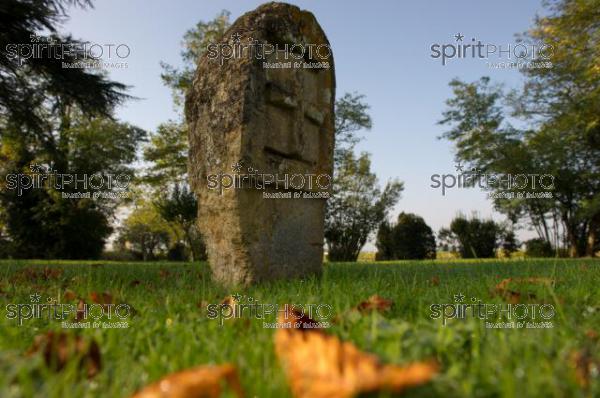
(51, 273)
(435, 280)
(322, 366)
(34, 274)
(374, 303)
(592, 334)
(584, 365)
(231, 302)
(513, 296)
(104, 298)
(199, 382)
(69, 295)
(79, 315)
(164, 274)
(58, 348)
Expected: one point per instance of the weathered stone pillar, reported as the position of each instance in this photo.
(260, 116)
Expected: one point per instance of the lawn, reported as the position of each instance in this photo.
(170, 329)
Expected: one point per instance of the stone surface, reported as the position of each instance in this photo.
(246, 118)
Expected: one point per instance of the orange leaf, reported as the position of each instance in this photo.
(69, 295)
(104, 298)
(584, 366)
(164, 273)
(514, 297)
(592, 334)
(376, 303)
(199, 382)
(79, 315)
(60, 348)
(322, 366)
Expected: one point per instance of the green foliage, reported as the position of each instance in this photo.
(180, 208)
(510, 244)
(30, 87)
(195, 41)
(356, 207)
(145, 232)
(475, 238)
(60, 118)
(41, 223)
(538, 248)
(167, 152)
(561, 103)
(409, 238)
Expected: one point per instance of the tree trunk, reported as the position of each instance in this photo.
(591, 238)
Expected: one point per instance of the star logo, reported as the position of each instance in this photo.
(459, 297)
(236, 37)
(459, 167)
(236, 167)
(35, 168)
(237, 297)
(459, 37)
(35, 298)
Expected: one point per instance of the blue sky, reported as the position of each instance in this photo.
(381, 50)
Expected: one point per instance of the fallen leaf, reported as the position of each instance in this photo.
(80, 314)
(34, 274)
(164, 274)
(104, 298)
(513, 296)
(584, 365)
(322, 366)
(58, 348)
(199, 382)
(435, 280)
(69, 295)
(592, 334)
(230, 301)
(376, 303)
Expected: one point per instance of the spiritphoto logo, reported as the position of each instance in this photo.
(504, 185)
(497, 56)
(251, 178)
(496, 316)
(239, 306)
(80, 316)
(274, 56)
(45, 177)
(78, 54)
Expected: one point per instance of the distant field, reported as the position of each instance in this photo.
(170, 329)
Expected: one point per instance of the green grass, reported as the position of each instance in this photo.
(171, 330)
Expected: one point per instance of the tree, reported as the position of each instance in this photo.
(475, 238)
(560, 103)
(538, 248)
(357, 205)
(510, 244)
(145, 232)
(57, 118)
(31, 86)
(40, 221)
(409, 238)
(180, 208)
(167, 151)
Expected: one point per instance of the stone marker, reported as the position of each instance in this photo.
(260, 116)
